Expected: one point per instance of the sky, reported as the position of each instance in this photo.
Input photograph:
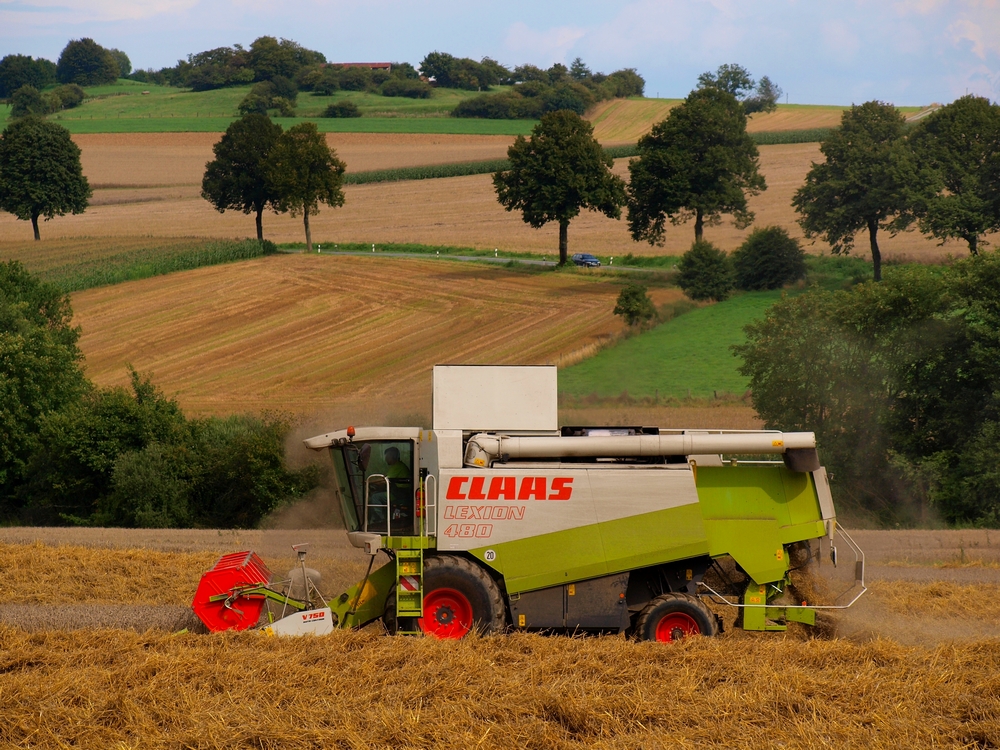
(907, 52)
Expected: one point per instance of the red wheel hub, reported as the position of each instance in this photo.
(676, 625)
(447, 614)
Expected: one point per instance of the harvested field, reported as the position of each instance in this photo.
(627, 120)
(64, 682)
(136, 160)
(310, 333)
(460, 211)
(117, 688)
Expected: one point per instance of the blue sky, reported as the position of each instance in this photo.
(908, 52)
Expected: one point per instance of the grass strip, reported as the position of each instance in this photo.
(144, 263)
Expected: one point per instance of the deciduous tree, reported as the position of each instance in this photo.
(556, 172)
(304, 172)
(699, 162)
(20, 70)
(238, 177)
(39, 367)
(40, 172)
(736, 80)
(85, 62)
(862, 184)
(953, 145)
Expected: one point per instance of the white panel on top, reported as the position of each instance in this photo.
(495, 398)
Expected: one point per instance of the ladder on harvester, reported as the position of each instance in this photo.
(409, 589)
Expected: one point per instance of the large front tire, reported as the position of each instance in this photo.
(672, 617)
(459, 597)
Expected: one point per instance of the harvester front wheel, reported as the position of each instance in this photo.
(671, 617)
(459, 596)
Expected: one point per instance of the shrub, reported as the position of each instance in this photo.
(253, 104)
(28, 101)
(768, 259)
(705, 272)
(70, 95)
(285, 108)
(634, 305)
(345, 108)
(405, 87)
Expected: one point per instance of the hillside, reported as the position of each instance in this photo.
(306, 333)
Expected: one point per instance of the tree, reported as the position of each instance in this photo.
(40, 172)
(304, 172)
(768, 259)
(704, 272)
(20, 70)
(39, 367)
(953, 145)
(87, 63)
(237, 178)
(736, 80)
(124, 64)
(863, 184)
(634, 305)
(698, 162)
(559, 170)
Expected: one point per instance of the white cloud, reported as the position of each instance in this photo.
(541, 47)
(980, 29)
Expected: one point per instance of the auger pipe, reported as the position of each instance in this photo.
(484, 448)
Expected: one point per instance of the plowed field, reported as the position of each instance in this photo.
(302, 333)
(459, 211)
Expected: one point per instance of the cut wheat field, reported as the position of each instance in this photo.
(460, 211)
(89, 658)
(304, 333)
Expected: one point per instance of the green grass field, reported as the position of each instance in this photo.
(124, 108)
(686, 356)
(689, 355)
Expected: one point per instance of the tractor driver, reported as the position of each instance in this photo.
(401, 480)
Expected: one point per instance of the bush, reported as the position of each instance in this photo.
(705, 272)
(285, 108)
(405, 87)
(508, 105)
(634, 305)
(253, 104)
(768, 259)
(345, 108)
(70, 95)
(27, 100)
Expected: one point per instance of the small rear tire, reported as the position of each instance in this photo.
(673, 617)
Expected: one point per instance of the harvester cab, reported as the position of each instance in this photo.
(498, 518)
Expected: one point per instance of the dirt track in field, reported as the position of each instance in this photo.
(454, 211)
(308, 332)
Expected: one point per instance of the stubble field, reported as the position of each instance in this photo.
(309, 333)
(88, 658)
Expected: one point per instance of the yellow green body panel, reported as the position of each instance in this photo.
(747, 512)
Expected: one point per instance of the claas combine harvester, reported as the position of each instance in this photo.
(496, 518)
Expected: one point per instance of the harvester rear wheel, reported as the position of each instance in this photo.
(671, 617)
(459, 596)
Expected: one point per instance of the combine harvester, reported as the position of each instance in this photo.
(496, 518)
